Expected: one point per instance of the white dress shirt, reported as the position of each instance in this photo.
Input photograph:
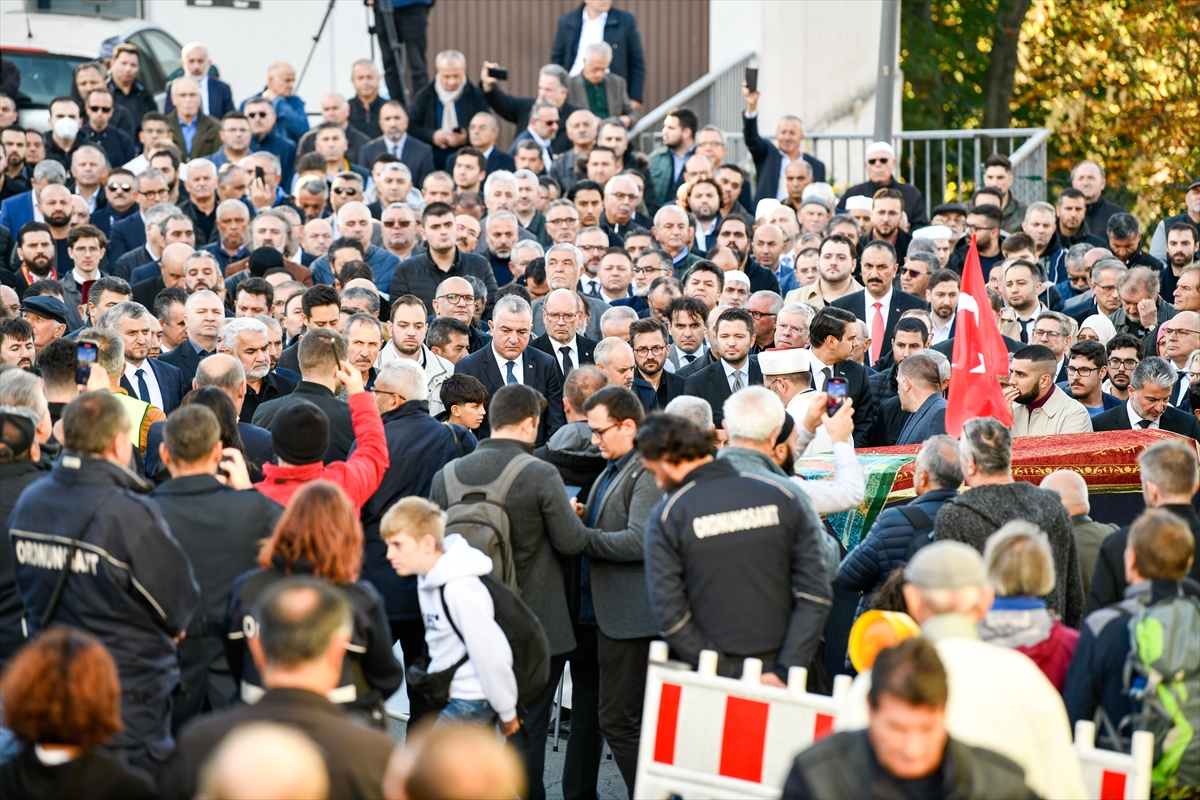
(743, 372)
(885, 305)
(1135, 418)
(675, 355)
(943, 333)
(818, 371)
(156, 398)
(203, 82)
(781, 193)
(591, 33)
(572, 351)
(518, 367)
(589, 285)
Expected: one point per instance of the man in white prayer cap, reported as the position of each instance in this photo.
(881, 174)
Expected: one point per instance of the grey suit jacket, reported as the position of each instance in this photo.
(616, 91)
(597, 309)
(929, 420)
(618, 571)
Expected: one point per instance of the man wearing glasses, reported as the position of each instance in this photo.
(561, 315)
(1181, 336)
(1124, 354)
(455, 299)
(881, 167)
(562, 222)
(654, 385)
(1054, 330)
(120, 196)
(99, 130)
(399, 225)
(130, 233)
(984, 222)
(1086, 369)
(260, 112)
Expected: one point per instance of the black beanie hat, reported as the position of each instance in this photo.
(785, 432)
(300, 433)
(263, 259)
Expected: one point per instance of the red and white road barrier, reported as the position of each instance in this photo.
(1108, 775)
(710, 737)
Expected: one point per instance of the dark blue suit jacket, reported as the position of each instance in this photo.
(255, 440)
(767, 159)
(856, 304)
(185, 359)
(541, 373)
(416, 155)
(128, 234)
(620, 31)
(929, 420)
(220, 99)
(105, 218)
(16, 211)
(498, 160)
(712, 384)
(170, 383)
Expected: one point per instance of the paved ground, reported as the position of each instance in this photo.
(609, 787)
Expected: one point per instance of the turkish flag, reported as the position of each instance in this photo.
(979, 354)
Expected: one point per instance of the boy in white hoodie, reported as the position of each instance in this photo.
(484, 688)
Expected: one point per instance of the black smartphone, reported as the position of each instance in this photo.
(460, 129)
(86, 352)
(836, 389)
(339, 349)
(258, 173)
(499, 73)
(752, 79)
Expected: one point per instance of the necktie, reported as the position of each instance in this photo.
(511, 377)
(1144, 423)
(688, 357)
(737, 381)
(143, 389)
(1024, 323)
(828, 373)
(593, 287)
(566, 360)
(877, 333)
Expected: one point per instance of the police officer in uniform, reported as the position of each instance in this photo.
(732, 559)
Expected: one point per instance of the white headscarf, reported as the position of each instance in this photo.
(1103, 327)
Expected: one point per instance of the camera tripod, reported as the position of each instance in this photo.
(394, 44)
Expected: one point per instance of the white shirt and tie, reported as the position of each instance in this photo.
(877, 321)
(738, 378)
(676, 355)
(511, 370)
(569, 351)
(1137, 422)
(203, 83)
(397, 147)
(144, 383)
(590, 285)
(818, 370)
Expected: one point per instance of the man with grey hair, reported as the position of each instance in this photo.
(509, 359)
(616, 322)
(900, 531)
(312, 195)
(985, 453)
(150, 248)
(527, 114)
(1089, 534)
(1142, 309)
(354, 221)
(441, 111)
(614, 357)
(594, 87)
(564, 266)
(1149, 405)
(695, 410)
(497, 243)
(204, 314)
(247, 340)
(232, 223)
(919, 387)
(195, 133)
(145, 378)
(1102, 296)
(946, 592)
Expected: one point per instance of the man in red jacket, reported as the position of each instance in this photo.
(300, 436)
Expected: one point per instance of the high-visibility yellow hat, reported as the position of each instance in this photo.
(875, 631)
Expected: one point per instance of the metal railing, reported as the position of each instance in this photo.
(946, 165)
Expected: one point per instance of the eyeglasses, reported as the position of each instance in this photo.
(1127, 364)
(382, 391)
(642, 352)
(600, 434)
(349, 190)
(977, 228)
(396, 223)
(644, 270)
(257, 114)
(589, 248)
(120, 187)
(1083, 372)
(879, 161)
(563, 221)
(759, 315)
(1045, 334)
(1179, 332)
(560, 317)
(457, 299)
(911, 273)
(157, 192)
(100, 109)
(623, 195)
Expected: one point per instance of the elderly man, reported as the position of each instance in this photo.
(595, 88)
(582, 128)
(1142, 308)
(509, 360)
(1088, 177)
(561, 313)
(395, 141)
(564, 265)
(204, 315)
(407, 329)
(670, 231)
(482, 134)
(288, 108)
(771, 161)
(247, 340)
(366, 103)
(1089, 534)
(195, 133)
(881, 167)
(455, 299)
(354, 221)
(614, 357)
(268, 133)
(216, 98)
(441, 111)
(270, 229)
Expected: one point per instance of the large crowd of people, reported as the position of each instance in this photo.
(278, 395)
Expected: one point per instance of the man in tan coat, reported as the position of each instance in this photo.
(1040, 408)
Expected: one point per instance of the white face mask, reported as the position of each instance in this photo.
(66, 128)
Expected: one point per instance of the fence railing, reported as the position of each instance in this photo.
(945, 165)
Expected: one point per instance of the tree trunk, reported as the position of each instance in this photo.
(1003, 65)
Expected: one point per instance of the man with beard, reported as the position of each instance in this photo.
(201, 272)
(1124, 354)
(1040, 408)
(501, 235)
(246, 339)
(1183, 246)
(653, 385)
(36, 258)
(16, 342)
(734, 369)
(942, 297)
(154, 382)
(704, 201)
(1087, 366)
(55, 203)
(879, 305)
(408, 328)
(835, 271)
(734, 231)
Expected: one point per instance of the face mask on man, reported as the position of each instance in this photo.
(66, 128)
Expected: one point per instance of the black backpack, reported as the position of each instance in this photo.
(922, 529)
(526, 637)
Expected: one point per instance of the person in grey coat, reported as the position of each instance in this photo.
(544, 528)
(985, 452)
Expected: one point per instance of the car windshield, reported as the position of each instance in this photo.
(44, 76)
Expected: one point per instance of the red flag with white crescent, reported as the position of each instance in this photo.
(979, 354)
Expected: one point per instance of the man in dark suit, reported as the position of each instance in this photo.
(1149, 405)
(416, 155)
(482, 134)
(768, 158)
(297, 682)
(734, 369)
(880, 304)
(621, 33)
(653, 385)
(832, 336)
(334, 108)
(198, 65)
(919, 385)
(510, 359)
(551, 91)
(130, 233)
(156, 382)
(204, 313)
(445, 128)
(560, 315)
